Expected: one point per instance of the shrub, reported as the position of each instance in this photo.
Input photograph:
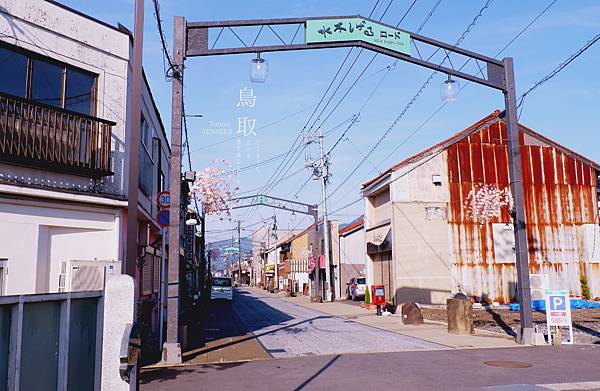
(585, 289)
(367, 295)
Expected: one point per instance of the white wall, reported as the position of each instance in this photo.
(37, 236)
(353, 258)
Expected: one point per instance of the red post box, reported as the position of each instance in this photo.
(378, 296)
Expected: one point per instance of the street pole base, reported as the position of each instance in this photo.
(171, 353)
(526, 336)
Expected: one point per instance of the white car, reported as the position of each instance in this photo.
(356, 288)
(221, 289)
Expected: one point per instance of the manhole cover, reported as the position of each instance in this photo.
(508, 364)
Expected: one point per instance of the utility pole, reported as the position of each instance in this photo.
(172, 348)
(276, 255)
(526, 332)
(315, 252)
(324, 173)
(239, 253)
(133, 141)
(266, 258)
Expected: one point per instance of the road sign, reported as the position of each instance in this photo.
(162, 217)
(357, 29)
(558, 311)
(163, 199)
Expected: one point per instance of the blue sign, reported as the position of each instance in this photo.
(162, 218)
(558, 303)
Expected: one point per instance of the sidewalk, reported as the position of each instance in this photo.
(431, 331)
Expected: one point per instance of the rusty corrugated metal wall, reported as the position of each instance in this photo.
(560, 197)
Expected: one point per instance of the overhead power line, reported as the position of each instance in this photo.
(414, 99)
(281, 169)
(435, 112)
(557, 70)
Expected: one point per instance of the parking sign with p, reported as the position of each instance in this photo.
(558, 310)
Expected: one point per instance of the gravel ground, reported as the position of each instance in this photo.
(586, 323)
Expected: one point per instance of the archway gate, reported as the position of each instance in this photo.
(191, 39)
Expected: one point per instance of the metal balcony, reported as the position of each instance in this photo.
(41, 136)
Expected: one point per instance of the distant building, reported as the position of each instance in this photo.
(423, 245)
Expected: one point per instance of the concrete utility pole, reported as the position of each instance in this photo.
(172, 349)
(516, 186)
(275, 252)
(239, 253)
(315, 253)
(324, 178)
(133, 141)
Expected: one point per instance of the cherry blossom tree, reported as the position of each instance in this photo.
(214, 186)
(486, 201)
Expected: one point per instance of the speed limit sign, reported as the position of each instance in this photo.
(163, 199)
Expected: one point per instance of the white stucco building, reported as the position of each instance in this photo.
(353, 254)
(65, 86)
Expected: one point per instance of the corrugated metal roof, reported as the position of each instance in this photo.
(493, 117)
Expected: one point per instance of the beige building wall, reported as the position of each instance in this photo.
(420, 252)
(419, 193)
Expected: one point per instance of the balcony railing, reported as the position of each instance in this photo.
(37, 135)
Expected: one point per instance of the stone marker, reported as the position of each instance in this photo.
(460, 319)
(411, 314)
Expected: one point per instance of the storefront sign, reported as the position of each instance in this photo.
(357, 29)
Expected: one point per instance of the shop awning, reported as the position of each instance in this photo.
(377, 235)
(379, 239)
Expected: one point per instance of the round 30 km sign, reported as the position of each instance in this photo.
(163, 199)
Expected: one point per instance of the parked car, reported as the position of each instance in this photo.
(221, 289)
(355, 289)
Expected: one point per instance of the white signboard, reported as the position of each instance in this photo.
(558, 311)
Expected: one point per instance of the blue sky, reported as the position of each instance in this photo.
(563, 109)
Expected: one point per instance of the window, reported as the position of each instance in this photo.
(3, 268)
(34, 77)
(46, 83)
(221, 281)
(13, 72)
(80, 91)
(145, 132)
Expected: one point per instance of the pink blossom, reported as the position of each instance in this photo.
(214, 187)
(485, 202)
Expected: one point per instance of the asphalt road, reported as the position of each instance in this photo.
(531, 368)
(286, 329)
(314, 350)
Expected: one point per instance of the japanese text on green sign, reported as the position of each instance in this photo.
(356, 29)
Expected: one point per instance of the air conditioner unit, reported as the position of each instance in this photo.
(86, 275)
(539, 283)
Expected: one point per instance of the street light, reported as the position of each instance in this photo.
(449, 90)
(259, 69)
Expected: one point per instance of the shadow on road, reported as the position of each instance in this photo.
(500, 322)
(166, 374)
(320, 371)
(223, 327)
